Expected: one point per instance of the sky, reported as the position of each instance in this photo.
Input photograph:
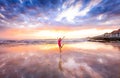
(44, 19)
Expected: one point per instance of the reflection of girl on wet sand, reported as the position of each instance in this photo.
(60, 63)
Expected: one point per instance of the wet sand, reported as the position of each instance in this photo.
(77, 60)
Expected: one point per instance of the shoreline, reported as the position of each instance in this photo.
(103, 39)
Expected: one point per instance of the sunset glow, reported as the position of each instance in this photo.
(51, 33)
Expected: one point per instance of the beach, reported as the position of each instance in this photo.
(77, 60)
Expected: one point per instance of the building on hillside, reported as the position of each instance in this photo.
(107, 35)
(114, 34)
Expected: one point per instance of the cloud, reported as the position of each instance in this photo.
(37, 13)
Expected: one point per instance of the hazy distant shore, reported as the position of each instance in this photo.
(104, 39)
(40, 41)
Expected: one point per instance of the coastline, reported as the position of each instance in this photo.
(104, 39)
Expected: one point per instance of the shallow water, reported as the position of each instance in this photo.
(77, 60)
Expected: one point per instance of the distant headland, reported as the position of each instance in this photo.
(112, 36)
